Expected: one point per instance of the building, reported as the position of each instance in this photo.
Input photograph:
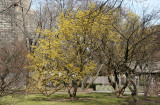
(16, 23)
(15, 20)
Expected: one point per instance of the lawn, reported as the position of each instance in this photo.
(82, 99)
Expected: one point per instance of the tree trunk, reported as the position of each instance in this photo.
(72, 93)
(148, 79)
(116, 85)
(146, 91)
(83, 84)
(134, 91)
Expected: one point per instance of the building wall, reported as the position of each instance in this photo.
(15, 20)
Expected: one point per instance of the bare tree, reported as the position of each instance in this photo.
(137, 36)
(12, 71)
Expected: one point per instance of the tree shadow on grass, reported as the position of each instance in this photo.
(143, 101)
(62, 99)
(87, 99)
(100, 95)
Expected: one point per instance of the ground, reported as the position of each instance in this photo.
(82, 99)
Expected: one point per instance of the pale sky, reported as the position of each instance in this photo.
(135, 6)
(152, 2)
(140, 5)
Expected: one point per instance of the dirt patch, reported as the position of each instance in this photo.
(72, 99)
(114, 96)
(63, 99)
(144, 101)
(125, 96)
